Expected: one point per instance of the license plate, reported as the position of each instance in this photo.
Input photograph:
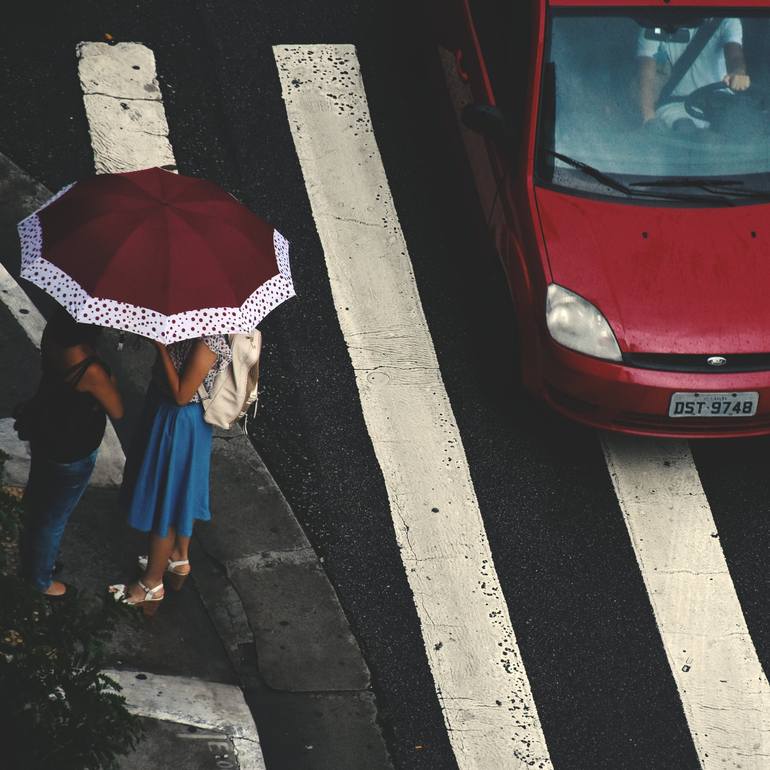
(713, 405)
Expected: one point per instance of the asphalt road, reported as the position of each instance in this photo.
(583, 620)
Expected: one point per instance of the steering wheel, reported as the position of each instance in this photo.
(714, 102)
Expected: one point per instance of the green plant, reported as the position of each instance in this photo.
(57, 710)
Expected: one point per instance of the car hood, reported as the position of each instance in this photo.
(668, 280)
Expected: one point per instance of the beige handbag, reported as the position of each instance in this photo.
(234, 391)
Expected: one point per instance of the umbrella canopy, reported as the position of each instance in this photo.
(156, 253)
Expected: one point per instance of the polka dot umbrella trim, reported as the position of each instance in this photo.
(155, 253)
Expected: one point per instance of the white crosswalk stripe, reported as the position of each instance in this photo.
(124, 107)
(723, 688)
(471, 647)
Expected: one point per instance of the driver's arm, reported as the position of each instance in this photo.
(736, 78)
(647, 70)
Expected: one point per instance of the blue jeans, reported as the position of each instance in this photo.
(53, 490)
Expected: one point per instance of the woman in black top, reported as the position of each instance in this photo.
(68, 423)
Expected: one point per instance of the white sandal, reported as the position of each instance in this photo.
(149, 605)
(175, 579)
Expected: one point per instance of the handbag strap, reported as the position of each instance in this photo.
(687, 59)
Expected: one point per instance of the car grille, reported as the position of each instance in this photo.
(674, 362)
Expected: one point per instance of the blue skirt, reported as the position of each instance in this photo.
(166, 481)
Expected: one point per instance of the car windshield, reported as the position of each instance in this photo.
(664, 102)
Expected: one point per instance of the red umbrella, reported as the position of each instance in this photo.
(157, 253)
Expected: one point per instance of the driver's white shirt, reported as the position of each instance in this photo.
(709, 67)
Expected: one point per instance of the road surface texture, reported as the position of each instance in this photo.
(524, 592)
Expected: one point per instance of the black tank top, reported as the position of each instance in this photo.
(74, 421)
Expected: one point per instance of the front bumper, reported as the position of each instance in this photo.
(633, 400)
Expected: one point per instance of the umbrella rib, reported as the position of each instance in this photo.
(212, 262)
(217, 217)
(183, 215)
(89, 220)
(228, 279)
(59, 250)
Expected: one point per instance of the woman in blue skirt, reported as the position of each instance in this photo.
(166, 483)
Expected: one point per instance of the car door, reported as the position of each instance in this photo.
(468, 82)
(487, 54)
(499, 45)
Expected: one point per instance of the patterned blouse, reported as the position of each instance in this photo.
(217, 343)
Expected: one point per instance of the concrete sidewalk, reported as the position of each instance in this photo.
(258, 622)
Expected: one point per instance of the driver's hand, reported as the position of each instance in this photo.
(737, 82)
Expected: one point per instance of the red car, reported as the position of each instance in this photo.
(622, 156)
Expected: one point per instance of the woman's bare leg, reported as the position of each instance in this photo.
(157, 561)
(181, 552)
(158, 556)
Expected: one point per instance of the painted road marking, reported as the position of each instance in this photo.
(723, 688)
(124, 107)
(206, 705)
(479, 677)
(18, 457)
(21, 307)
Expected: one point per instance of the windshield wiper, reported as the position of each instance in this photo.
(616, 184)
(732, 187)
(599, 176)
(688, 181)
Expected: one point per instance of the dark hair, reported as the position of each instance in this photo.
(65, 331)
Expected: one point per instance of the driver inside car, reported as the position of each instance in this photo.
(721, 60)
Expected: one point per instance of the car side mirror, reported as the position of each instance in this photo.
(488, 121)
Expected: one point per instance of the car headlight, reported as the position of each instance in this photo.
(578, 325)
